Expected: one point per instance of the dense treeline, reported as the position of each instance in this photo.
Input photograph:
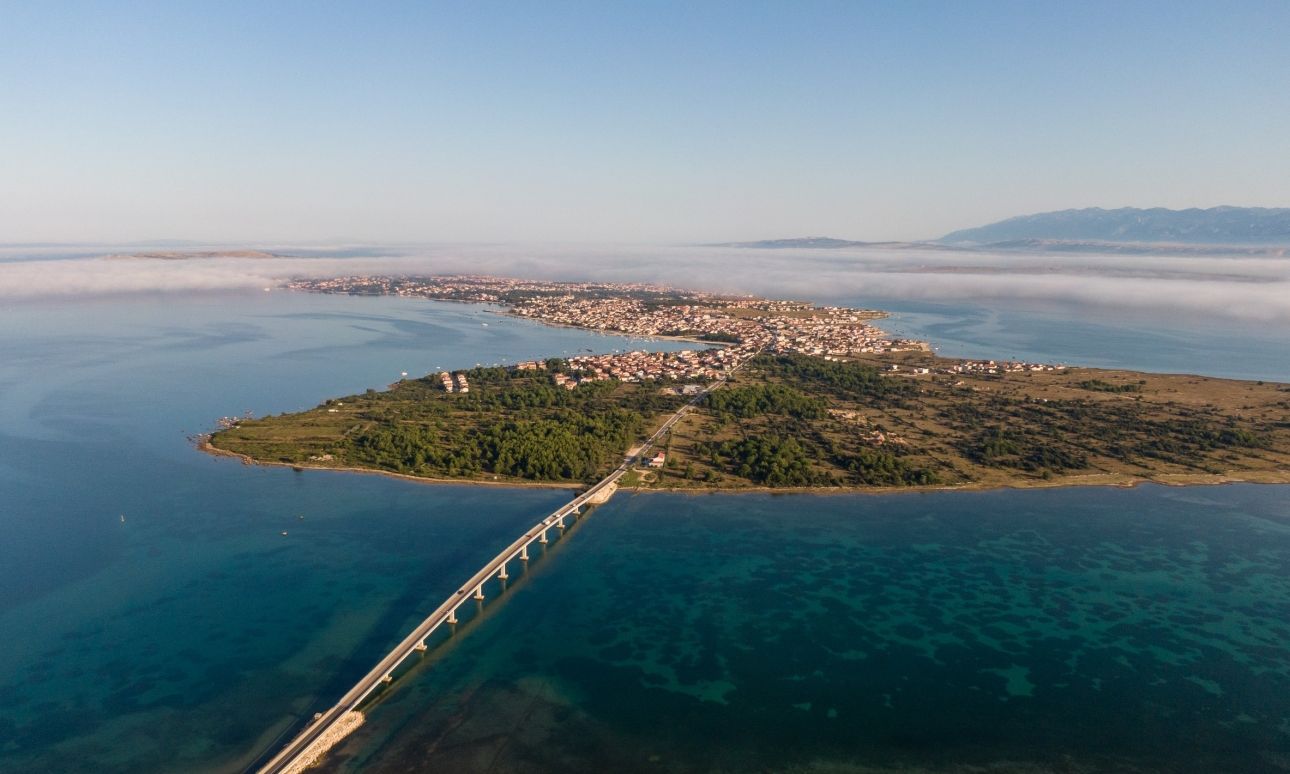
(497, 390)
(566, 446)
(511, 424)
(784, 461)
(758, 399)
(875, 467)
(787, 437)
(843, 380)
(1097, 385)
(770, 460)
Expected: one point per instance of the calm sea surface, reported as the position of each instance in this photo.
(1101, 337)
(1082, 629)
(1016, 631)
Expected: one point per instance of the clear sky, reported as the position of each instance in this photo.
(627, 122)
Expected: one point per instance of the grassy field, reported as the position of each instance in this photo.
(804, 422)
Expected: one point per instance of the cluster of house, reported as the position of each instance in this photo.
(832, 332)
(979, 367)
(635, 317)
(477, 288)
(447, 379)
(749, 325)
(701, 365)
(1006, 367)
(786, 326)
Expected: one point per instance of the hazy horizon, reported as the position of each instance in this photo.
(1248, 289)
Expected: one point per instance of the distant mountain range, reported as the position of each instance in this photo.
(1216, 225)
(1126, 248)
(1258, 231)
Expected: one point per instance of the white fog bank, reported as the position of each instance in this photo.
(1240, 288)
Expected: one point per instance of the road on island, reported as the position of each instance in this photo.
(383, 671)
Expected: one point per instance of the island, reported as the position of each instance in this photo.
(775, 394)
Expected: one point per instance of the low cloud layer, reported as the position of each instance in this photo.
(1237, 288)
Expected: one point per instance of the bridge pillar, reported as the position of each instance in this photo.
(452, 616)
(421, 646)
(560, 522)
(501, 574)
(524, 552)
(543, 538)
(479, 591)
(387, 679)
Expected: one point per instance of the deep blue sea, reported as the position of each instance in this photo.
(1065, 630)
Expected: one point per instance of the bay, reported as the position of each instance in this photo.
(153, 615)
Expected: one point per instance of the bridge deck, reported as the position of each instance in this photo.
(446, 611)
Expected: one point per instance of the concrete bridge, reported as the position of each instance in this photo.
(473, 589)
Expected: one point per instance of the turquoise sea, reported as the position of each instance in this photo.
(189, 635)
(1067, 630)
(1094, 630)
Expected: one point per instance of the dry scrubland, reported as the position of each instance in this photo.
(798, 422)
(1042, 428)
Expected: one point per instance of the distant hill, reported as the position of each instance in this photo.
(1216, 225)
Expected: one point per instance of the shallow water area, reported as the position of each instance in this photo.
(1071, 630)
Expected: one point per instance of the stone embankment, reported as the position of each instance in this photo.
(601, 497)
(342, 728)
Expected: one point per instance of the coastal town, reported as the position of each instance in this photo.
(732, 328)
(811, 396)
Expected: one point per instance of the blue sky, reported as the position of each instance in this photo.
(617, 122)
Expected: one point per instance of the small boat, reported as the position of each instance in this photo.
(123, 518)
(284, 533)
